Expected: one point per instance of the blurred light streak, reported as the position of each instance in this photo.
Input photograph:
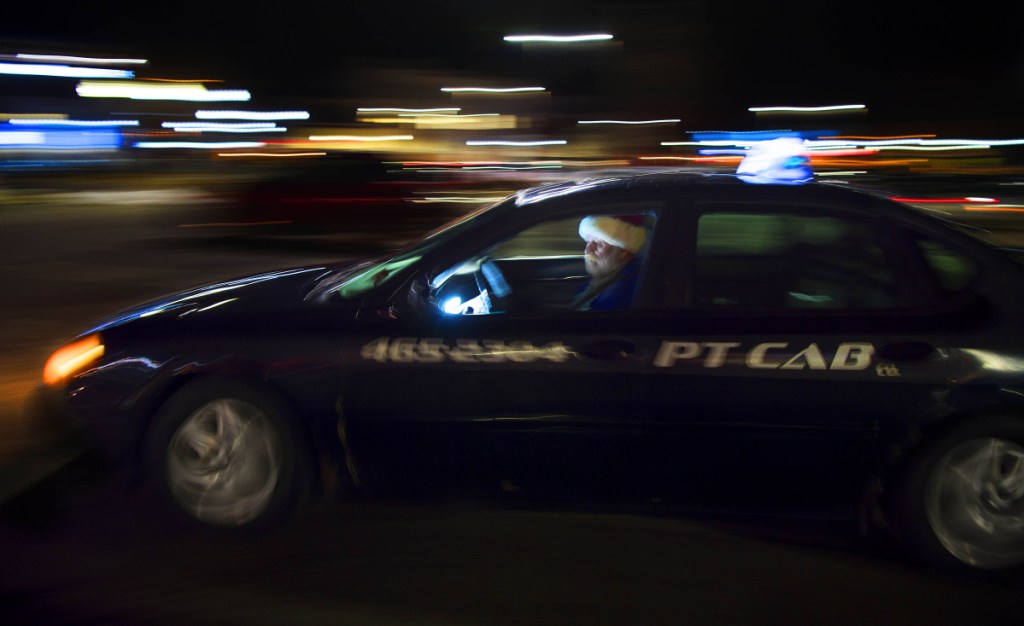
(449, 116)
(981, 143)
(219, 145)
(464, 164)
(717, 159)
(182, 80)
(753, 135)
(491, 89)
(60, 58)
(252, 115)
(559, 38)
(792, 109)
(44, 121)
(10, 117)
(457, 199)
(823, 152)
(512, 167)
(1006, 208)
(219, 224)
(936, 148)
(62, 71)
(873, 162)
(159, 91)
(879, 138)
(227, 127)
(942, 200)
(665, 121)
(479, 121)
(21, 138)
(546, 142)
(842, 173)
(401, 110)
(272, 154)
(61, 139)
(360, 138)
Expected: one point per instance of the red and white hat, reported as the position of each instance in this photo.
(622, 231)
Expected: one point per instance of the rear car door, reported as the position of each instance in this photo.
(806, 337)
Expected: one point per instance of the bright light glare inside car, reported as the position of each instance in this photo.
(452, 305)
(72, 359)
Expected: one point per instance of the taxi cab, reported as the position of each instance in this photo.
(785, 344)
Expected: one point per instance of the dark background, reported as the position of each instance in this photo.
(957, 66)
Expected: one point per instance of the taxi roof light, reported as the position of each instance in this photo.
(72, 358)
(781, 161)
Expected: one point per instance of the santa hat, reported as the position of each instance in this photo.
(623, 231)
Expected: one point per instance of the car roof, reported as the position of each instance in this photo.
(680, 180)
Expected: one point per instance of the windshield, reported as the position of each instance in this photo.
(356, 281)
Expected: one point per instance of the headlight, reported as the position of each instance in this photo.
(72, 358)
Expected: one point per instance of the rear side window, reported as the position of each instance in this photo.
(953, 271)
(789, 260)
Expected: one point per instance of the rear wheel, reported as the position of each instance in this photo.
(224, 454)
(961, 502)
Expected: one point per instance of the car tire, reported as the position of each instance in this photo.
(960, 503)
(224, 454)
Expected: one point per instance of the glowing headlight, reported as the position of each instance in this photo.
(72, 358)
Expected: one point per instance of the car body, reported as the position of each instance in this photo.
(786, 344)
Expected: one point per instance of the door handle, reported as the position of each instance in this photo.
(609, 350)
(904, 351)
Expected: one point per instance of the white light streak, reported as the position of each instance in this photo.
(401, 110)
(61, 71)
(252, 115)
(665, 121)
(549, 142)
(42, 121)
(360, 138)
(60, 58)
(218, 145)
(936, 148)
(158, 91)
(559, 38)
(448, 115)
(838, 107)
(242, 127)
(21, 138)
(491, 89)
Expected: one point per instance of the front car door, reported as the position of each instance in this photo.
(518, 391)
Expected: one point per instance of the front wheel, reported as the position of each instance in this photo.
(224, 454)
(961, 502)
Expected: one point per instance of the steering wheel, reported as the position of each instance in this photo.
(490, 277)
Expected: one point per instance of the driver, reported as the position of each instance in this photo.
(611, 257)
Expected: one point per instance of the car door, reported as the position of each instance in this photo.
(804, 335)
(537, 398)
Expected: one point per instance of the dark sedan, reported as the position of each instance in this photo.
(784, 344)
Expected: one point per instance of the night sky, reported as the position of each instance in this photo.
(705, 60)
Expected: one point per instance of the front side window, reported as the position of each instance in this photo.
(791, 260)
(589, 261)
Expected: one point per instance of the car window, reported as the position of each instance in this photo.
(791, 260)
(541, 267)
(953, 270)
